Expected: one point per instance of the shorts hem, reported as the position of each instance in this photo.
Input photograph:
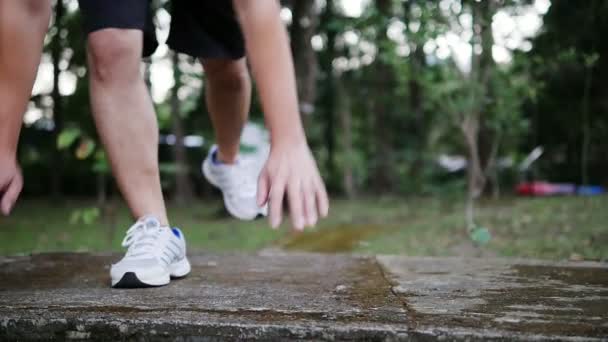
(204, 53)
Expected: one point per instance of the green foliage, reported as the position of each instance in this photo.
(101, 164)
(568, 59)
(86, 216)
(85, 148)
(67, 137)
(591, 59)
(404, 101)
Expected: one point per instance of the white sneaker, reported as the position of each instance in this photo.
(155, 254)
(238, 183)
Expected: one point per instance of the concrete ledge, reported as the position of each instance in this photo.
(307, 297)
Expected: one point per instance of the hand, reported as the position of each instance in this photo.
(292, 170)
(11, 183)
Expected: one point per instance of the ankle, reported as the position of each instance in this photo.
(226, 158)
(162, 219)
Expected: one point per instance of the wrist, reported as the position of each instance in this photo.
(7, 153)
(8, 143)
(288, 138)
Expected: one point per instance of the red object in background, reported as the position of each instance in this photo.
(545, 189)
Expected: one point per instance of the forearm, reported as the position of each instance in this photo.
(23, 25)
(10, 127)
(272, 68)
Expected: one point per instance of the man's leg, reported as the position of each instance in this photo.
(228, 97)
(209, 30)
(23, 25)
(125, 118)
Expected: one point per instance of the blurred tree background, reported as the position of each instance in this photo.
(409, 100)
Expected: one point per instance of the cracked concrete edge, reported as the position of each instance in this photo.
(100, 329)
(464, 334)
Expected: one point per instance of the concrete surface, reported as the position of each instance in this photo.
(307, 297)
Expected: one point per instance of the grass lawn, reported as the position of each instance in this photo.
(547, 228)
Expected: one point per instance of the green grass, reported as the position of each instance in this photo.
(547, 228)
(40, 226)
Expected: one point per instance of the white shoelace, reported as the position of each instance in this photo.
(141, 239)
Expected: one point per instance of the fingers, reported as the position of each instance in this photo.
(294, 190)
(11, 193)
(263, 188)
(293, 173)
(310, 209)
(277, 191)
(322, 198)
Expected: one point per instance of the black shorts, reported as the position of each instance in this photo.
(199, 28)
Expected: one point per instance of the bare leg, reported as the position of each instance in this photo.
(125, 118)
(23, 25)
(228, 97)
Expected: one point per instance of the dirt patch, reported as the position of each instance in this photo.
(343, 238)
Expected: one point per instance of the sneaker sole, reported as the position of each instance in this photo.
(130, 280)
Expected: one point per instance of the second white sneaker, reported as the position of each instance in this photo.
(155, 254)
(238, 183)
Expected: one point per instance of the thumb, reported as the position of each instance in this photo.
(263, 188)
(11, 193)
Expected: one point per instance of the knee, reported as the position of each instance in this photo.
(227, 75)
(114, 55)
(37, 8)
(39, 11)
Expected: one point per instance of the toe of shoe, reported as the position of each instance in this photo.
(246, 211)
(147, 271)
(263, 210)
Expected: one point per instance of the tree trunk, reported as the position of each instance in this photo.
(484, 11)
(329, 99)
(382, 166)
(183, 186)
(492, 171)
(56, 51)
(471, 123)
(344, 110)
(416, 63)
(586, 127)
(303, 28)
(475, 174)
(477, 179)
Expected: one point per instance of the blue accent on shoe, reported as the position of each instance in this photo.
(216, 161)
(214, 158)
(176, 232)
